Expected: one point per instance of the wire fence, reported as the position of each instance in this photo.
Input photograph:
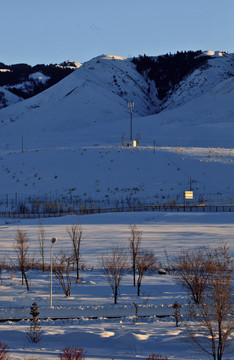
(100, 210)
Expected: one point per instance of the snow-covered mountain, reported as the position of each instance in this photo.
(67, 139)
(219, 67)
(21, 81)
(8, 98)
(91, 105)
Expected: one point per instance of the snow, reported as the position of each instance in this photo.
(66, 142)
(7, 97)
(194, 140)
(214, 53)
(70, 64)
(38, 76)
(106, 337)
(111, 57)
(146, 174)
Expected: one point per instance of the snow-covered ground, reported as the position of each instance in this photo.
(106, 338)
(156, 175)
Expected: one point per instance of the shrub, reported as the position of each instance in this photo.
(72, 353)
(156, 357)
(3, 351)
(34, 331)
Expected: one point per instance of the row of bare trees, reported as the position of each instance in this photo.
(206, 275)
(115, 264)
(63, 263)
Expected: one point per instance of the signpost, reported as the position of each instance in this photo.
(188, 195)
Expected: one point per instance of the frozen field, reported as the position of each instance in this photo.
(103, 338)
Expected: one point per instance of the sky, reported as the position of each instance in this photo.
(51, 31)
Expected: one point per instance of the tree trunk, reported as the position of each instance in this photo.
(26, 280)
(134, 273)
(77, 270)
(138, 288)
(115, 295)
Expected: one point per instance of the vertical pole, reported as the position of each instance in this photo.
(53, 241)
(131, 106)
(131, 124)
(51, 274)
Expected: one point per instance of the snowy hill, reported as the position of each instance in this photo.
(7, 98)
(25, 81)
(71, 135)
(94, 96)
(218, 68)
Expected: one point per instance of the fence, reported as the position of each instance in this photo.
(141, 208)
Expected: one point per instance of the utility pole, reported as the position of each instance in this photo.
(53, 241)
(131, 106)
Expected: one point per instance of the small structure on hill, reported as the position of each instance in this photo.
(130, 143)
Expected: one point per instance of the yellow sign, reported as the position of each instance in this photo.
(188, 194)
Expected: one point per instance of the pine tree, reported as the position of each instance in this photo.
(34, 331)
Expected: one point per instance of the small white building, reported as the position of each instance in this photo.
(129, 143)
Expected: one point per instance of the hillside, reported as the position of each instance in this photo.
(22, 81)
(72, 135)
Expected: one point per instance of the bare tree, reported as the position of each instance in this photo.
(62, 272)
(212, 315)
(21, 247)
(113, 267)
(41, 234)
(134, 244)
(191, 266)
(145, 260)
(167, 260)
(75, 233)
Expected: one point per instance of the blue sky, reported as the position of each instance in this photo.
(51, 31)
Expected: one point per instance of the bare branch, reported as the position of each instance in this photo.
(21, 247)
(41, 234)
(75, 233)
(62, 272)
(134, 243)
(207, 276)
(113, 268)
(145, 260)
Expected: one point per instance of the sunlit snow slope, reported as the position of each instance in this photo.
(67, 134)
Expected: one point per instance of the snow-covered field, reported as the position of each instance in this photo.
(106, 338)
(157, 175)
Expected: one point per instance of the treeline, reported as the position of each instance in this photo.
(168, 70)
(20, 73)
